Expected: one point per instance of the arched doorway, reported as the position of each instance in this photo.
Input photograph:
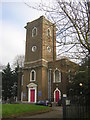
(32, 93)
(57, 95)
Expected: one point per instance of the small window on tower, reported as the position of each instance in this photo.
(34, 31)
(48, 32)
(32, 75)
(49, 49)
(34, 48)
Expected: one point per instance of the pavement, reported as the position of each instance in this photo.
(56, 112)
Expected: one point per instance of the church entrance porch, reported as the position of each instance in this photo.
(57, 95)
(32, 93)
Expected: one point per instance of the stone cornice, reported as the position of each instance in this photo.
(26, 68)
(36, 61)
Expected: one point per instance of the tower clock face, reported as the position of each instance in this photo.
(34, 48)
(48, 49)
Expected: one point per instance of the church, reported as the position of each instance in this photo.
(43, 77)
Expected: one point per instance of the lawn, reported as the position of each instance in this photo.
(13, 110)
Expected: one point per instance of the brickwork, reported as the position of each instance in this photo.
(41, 59)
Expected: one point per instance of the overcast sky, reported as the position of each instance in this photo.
(13, 17)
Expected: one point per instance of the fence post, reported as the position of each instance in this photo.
(64, 106)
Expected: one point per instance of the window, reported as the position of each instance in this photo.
(34, 48)
(57, 76)
(34, 31)
(48, 32)
(49, 49)
(32, 75)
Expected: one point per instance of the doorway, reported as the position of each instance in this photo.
(32, 95)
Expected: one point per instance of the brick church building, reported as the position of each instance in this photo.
(43, 76)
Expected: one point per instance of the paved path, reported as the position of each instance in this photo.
(55, 113)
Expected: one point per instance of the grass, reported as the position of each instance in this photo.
(13, 110)
(0, 110)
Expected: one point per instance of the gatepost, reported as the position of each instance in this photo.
(64, 106)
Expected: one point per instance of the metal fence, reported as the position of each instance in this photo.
(76, 109)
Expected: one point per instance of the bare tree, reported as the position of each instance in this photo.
(18, 60)
(72, 22)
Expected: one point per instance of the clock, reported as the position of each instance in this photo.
(34, 48)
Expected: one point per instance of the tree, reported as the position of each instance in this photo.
(15, 82)
(77, 88)
(7, 82)
(18, 60)
(80, 76)
(72, 22)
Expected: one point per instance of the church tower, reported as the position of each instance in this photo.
(40, 49)
(40, 40)
(43, 77)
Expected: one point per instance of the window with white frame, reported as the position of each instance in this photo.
(34, 31)
(57, 76)
(34, 48)
(32, 75)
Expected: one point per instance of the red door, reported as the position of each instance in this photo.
(57, 96)
(32, 95)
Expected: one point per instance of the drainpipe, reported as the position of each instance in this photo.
(53, 45)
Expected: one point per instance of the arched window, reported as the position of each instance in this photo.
(34, 31)
(57, 95)
(32, 75)
(48, 32)
(57, 76)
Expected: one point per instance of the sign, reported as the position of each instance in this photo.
(67, 102)
(64, 95)
(39, 93)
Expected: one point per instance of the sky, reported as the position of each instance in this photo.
(14, 15)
